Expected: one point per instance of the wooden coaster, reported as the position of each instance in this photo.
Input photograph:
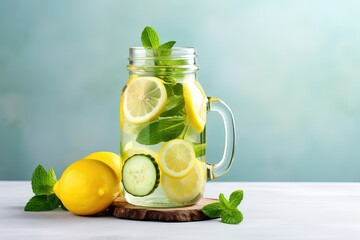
(121, 209)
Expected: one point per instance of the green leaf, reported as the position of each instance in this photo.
(200, 149)
(178, 89)
(213, 210)
(169, 88)
(42, 182)
(161, 130)
(233, 216)
(173, 106)
(225, 209)
(42, 203)
(164, 50)
(173, 89)
(224, 201)
(236, 198)
(150, 38)
(167, 45)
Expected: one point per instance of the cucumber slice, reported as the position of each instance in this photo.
(140, 175)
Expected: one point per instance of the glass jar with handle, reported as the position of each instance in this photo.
(163, 130)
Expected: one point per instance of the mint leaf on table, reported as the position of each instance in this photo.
(42, 182)
(150, 38)
(224, 201)
(235, 198)
(161, 130)
(225, 209)
(233, 216)
(213, 210)
(42, 203)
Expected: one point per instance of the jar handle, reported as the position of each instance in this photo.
(222, 167)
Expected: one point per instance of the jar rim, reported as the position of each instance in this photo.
(173, 48)
(188, 52)
(175, 53)
(146, 60)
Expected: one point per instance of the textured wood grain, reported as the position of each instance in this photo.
(122, 209)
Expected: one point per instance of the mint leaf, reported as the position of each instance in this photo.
(178, 89)
(42, 203)
(164, 50)
(224, 201)
(236, 198)
(225, 209)
(150, 38)
(213, 210)
(173, 89)
(233, 216)
(161, 130)
(200, 149)
(167, 45)
(173, 106)
(42, 182)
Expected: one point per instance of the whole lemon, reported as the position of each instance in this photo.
(110, 158)
(87, 187)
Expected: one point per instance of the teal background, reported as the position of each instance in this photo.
(290, 71)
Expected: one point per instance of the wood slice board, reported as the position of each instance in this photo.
(121, 209)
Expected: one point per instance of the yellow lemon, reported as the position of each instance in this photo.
(195, 104)
(144, 98)
(187, 188)
(110, 158)
(87, 187)
(176, 158)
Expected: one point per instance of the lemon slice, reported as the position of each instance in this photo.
(183, 190)
(122, 121)
(176, 158)
(144, 99)
(195, 105)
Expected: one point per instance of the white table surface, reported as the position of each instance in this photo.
(271, 211)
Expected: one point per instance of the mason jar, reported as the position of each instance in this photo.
(163, 112)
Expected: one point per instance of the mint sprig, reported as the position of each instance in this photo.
(42, 203)
(150, 38)
(42, 183)
(225, 209)
(173, 122)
